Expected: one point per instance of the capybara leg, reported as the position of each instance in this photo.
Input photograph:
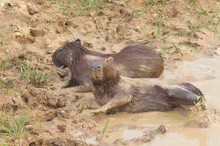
(192, 88)
(71, 83)
(116, 101)
(82, 89)
(183, 96)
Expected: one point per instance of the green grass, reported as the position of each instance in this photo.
(155, 2)
(5, 64)
(171, 49)
(191, 34)
(212, 16)
(159, 26)
(138, 11)
(199, 8)
(7, 84)
(66, 7)
(213, 22)
(158, 34)
(212, 28)
(105, 127)
(151, 2)
(13, 126)
(37, 77)
(76, 7)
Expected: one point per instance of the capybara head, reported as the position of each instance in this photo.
(97, 70)
(64, 55)
(104, 70)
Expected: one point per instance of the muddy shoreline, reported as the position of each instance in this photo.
(186, 33)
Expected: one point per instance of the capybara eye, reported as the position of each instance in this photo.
(98, 67)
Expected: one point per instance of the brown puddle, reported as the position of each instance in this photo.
(206, 75)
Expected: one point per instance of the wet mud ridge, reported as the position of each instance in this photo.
(34, 108)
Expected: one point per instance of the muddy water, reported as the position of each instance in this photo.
(205, 74)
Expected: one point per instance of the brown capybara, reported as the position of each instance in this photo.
(135, 61)
(118, 93)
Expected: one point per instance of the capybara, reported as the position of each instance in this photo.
(115, 92)
(135, 61)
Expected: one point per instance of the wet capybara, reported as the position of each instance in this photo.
(135, 61)
(115, 92)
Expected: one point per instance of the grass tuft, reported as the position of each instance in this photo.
(13, 125)
(5, 64)
(37, 77)
(156, 2)
(159, 26)
(199, 9)
(66, 7)
(138, 11)
(151, 2)
(83, 7)
(7, 84)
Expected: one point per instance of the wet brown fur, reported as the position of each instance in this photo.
(117, 93)
(135, 61)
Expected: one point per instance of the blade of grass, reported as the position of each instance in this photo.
(104, 129)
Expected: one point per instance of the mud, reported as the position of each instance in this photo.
(182, 129)
(186, 33)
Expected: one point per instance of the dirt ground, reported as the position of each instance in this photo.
(30, 84)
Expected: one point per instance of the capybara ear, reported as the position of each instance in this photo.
(78, 41)
(109, 60)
